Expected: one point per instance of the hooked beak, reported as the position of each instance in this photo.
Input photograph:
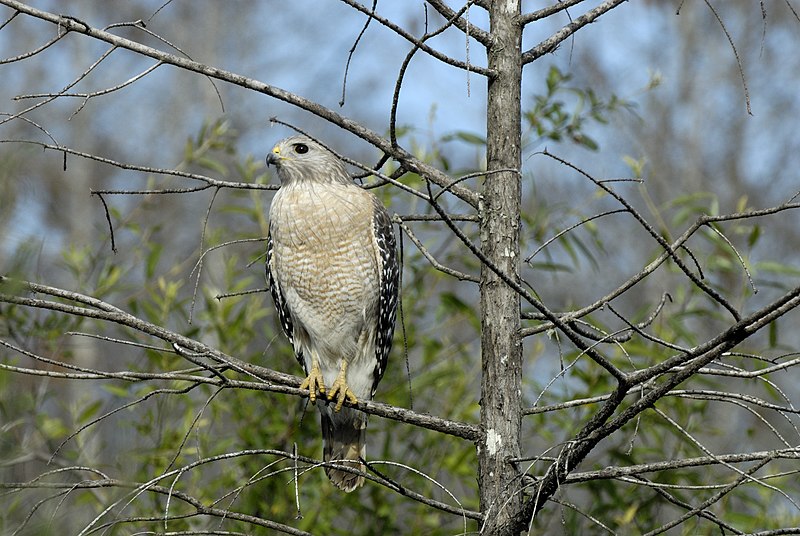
(273, 158)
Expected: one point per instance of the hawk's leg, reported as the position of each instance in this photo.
(314, 382)
(340, 391)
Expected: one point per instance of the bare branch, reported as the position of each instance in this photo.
(209, 182)
(352, 51)
(564, 405)
(420, 43)
(711, 500)
(64, 90)
(87, 96)
(738, 256)
(543, 13)
(433, 217)
(735, 55)
(749, 373)
(652, 266)
(551, 43)
(32, 52)
(436, 264)
(406, 159)
(448, 13)
(201, 509)
(211, 509)
(571, 228)
(668, 465)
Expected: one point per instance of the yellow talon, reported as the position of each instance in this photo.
(340, 391)
(314, 382)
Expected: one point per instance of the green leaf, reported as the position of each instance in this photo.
(773, 334)
(116, 390)
(755, 234)
(777, 268)
(152, 259)
(467, 137)
(89, 412)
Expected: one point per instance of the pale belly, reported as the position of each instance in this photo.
(326, 266)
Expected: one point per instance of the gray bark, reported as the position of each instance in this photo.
(501, 406)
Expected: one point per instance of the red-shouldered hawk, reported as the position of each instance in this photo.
(333, 274)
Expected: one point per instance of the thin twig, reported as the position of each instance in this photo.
(461, 276)
(448, 13)
(352, 51)
(209, 181)
(735, 55)
(108, 220)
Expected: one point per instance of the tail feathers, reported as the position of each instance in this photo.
(344, 444)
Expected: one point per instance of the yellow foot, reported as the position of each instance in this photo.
(314, 382)
(340, 391)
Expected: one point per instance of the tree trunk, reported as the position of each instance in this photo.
(501, 408)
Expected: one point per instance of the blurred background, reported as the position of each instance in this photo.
(702, 105)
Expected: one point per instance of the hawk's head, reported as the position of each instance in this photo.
(299, 158)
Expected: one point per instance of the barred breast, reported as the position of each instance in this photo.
(325, 262)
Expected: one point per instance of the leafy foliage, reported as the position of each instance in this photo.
(562, 112)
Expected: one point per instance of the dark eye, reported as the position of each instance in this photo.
(300, 148)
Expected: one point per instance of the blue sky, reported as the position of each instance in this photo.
(303, 47)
